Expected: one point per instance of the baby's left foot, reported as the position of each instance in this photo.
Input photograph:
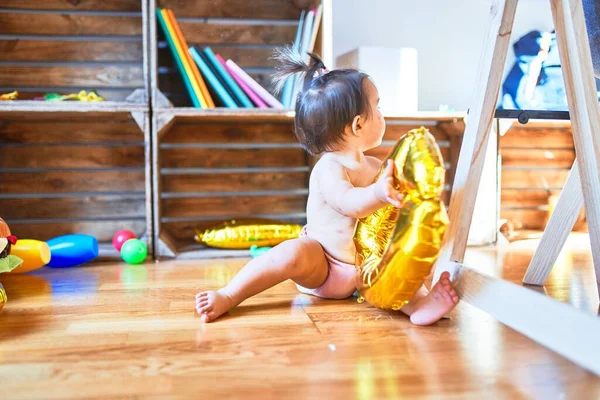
(211, 305)
(441, 300)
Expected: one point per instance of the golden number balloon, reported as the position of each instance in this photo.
(243, 233)
(396, 247)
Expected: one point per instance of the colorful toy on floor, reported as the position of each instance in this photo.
(121, 237)
(256, 251)
(396, 247)
(9, 96)
(71, 250)
(81, 96)
(3, 298)
(243, 233)
(34, 253)
(8, 261)
(134, 251)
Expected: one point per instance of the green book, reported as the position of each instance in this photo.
(235, 88)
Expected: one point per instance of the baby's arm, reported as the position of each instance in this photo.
(358, 202)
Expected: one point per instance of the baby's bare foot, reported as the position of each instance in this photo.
(440, 301)
(211, 305)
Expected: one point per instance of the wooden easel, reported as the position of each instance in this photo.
(543, 319)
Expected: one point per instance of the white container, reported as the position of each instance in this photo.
(395, 72)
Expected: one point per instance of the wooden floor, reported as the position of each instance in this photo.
(117, 331)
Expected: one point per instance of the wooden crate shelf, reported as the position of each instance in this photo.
(66, 46)
(213, 166)
(245, 32)
(67, 172)
(536, 159)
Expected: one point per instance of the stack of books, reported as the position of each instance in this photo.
(211, 81)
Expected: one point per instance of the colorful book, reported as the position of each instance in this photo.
(238, 93)
(212, 79)
(253, 96)
(259, 90)
(304, 47)
(178, 61)
(315, 29)
(288, 87)
(217, 75)
(184, 60)
(196, 73)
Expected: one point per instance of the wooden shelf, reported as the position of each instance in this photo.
(288, 115)
(71, 106)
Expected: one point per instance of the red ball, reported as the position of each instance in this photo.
(121, 237)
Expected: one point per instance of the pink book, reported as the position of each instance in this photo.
(253, 96)
(261, 91)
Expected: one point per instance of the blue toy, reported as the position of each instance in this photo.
(71, 250)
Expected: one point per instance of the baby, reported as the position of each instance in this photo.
(337, 116)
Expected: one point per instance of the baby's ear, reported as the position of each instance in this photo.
(356, 125)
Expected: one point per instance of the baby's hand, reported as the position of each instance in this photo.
(384, 187)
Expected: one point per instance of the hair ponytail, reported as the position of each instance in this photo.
(291, 62)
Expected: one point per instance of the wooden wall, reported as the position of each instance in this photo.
(75, 172)
(246, 32)
(536, 159)
(65, 46)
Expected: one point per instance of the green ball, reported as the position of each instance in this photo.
(134, 251)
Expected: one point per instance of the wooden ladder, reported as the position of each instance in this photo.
(556, 325)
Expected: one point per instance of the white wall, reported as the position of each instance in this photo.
(447, 35)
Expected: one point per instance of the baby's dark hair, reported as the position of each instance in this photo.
(326, 104)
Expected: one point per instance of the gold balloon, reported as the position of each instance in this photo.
(3, 297)
(396, 247)
(243, 233)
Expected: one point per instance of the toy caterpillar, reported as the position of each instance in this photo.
(244, 233)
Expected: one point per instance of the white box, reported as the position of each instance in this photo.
(394, 71)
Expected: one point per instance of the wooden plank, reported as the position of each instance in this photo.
(130, 77)
(237, 182)
(533, 178)
(243, 56)
(102, 230)
(477, 134)
(562, 221)
(67, 50)
(582, 98)
(71, 156)
(56, 112)
(539, 317)
(526, 218)
(69, 24)
(525, 198)
(114, 206)
(72, 181)
(239, 205)
(61, 131)
(231, 158)
(263, 9)
(211, 33)
(535, 157)
(230, 133)
(183, 232)
(538, 137)
(78, 5)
